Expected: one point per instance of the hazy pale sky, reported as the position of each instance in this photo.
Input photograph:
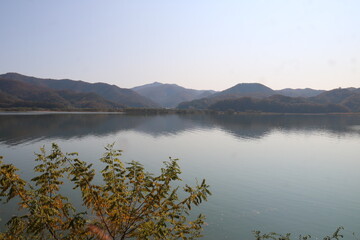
(201, 44)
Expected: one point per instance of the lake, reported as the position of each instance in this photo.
(281, 173)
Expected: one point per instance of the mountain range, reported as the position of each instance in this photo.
(255, 97)
(20, 91)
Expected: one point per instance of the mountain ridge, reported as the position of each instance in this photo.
(258, 97)
(299, 92)
(170, 95)
(17, 94)
(109, 92)
(18, 90)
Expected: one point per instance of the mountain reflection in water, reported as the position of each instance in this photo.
(19, 128)
(282, 173)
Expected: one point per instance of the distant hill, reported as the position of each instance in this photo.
(255, 90)
(16, 94)
(202, 103)
(349, 97)
(333, 96)
(356, 90)
(257, 97)
(109, 92)
(170, 95)
(276, 104)
(352, 102)
(306, 92)
(146, 86)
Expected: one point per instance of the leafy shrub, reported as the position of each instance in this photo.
(131, 203)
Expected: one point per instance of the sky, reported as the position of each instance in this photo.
(200, 44)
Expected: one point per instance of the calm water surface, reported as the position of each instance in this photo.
(296, 174)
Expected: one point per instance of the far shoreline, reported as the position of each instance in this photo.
(156, 111)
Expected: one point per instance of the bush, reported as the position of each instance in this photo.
(131, 203)
(275, 236)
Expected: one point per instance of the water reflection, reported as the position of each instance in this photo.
(299, 178)
(258, 126)
(19, 128)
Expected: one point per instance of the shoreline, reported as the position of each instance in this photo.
(154, 111)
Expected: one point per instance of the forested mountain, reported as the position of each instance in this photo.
(255, 90)
(170, 95)
(334, 96)
(17, 94)
(346, 97)
(109, 92)
(306, 92)
(276, 104)
(337, 100)
(19, 91)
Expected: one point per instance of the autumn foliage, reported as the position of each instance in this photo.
(130, 202)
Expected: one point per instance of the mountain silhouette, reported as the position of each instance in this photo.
(170, 95)
(109, 92)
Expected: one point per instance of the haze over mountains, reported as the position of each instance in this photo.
(20, 91)
(170, 95)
